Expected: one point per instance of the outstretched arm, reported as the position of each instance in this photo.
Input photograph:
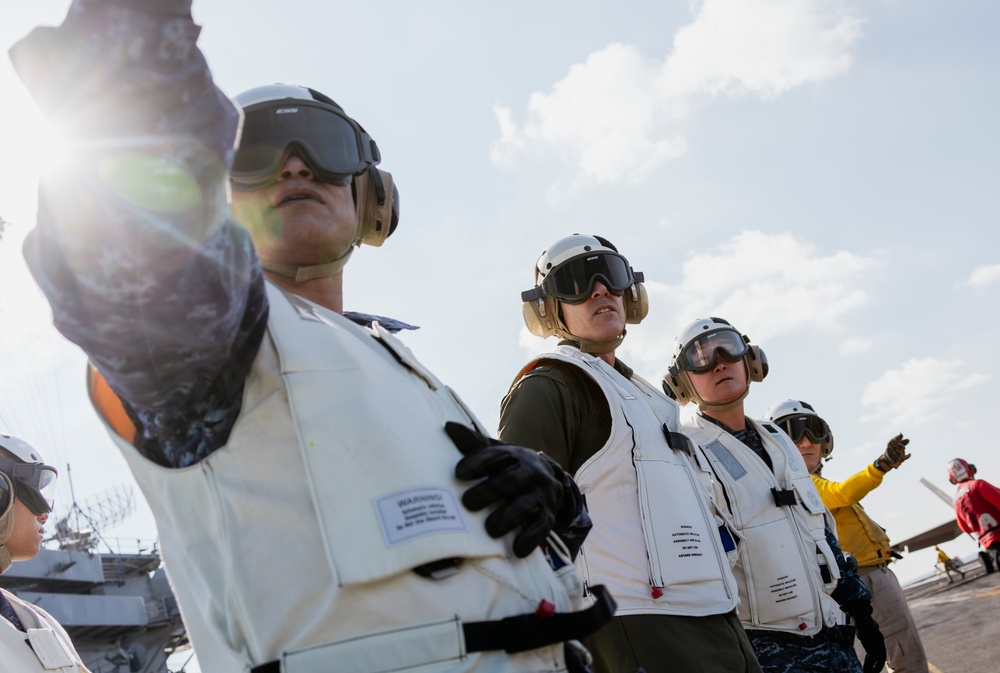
(849, 491)
(134, 247)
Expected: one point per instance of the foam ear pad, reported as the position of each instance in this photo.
(378, 206)
(636, 304)
(541, 316)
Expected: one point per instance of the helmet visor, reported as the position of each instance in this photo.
(702, 354)
(333, 145)
(813, 427)
(572, 280)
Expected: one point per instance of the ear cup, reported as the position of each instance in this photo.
(677, 386)
(378, 206)
(6, 494)
(756, 363)
(541, 316)
(636, 304)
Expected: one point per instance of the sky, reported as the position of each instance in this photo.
(823, 174)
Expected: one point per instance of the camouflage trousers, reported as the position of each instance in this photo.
(832, 649)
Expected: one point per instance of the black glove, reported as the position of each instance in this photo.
(869, 635)
(895, 454)
(530, 490)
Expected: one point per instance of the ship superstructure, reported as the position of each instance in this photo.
(116, 604)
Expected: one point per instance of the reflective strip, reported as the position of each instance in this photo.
(728, 460)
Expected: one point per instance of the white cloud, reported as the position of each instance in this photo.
(764, 48)
(616, 115)
(984, 275)
(765, 284)
(854, 346)
(918, 391)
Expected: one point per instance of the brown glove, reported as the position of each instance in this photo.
(895, 454)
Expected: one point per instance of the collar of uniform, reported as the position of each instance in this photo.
(749, 436)
(719, 423)
(366, 320)
(619, 366)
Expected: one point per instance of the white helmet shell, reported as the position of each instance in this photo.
(33, 478)
(788, 408)
(677, 382)
(565, 249)
(20, 449)
(541, 312)
(13, 452)
(274, 92)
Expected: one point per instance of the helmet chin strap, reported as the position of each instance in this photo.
(303, 273)
(726, 406)
(588, 346)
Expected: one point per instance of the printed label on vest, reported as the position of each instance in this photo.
(776, 578)
(416, 512)
(679, 542)
(786, 588)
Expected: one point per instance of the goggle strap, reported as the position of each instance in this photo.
(532, 294)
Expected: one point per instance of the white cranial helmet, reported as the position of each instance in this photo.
(798, 418)
(566, 272)
(697, 349)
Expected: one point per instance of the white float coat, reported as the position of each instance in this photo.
(654, 527)
(336, 481)
(781, 582)
(48, 641)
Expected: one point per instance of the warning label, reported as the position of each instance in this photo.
(419, 511)
(785, 589)
(688, 541)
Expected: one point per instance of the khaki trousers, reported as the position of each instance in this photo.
(889, 609)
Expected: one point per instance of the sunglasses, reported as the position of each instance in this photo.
(572, 280)
(702, 354)
(334, 146)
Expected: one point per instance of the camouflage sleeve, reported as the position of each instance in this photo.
(134, 248)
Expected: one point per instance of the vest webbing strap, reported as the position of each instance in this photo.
(528, 632)
(783, 498)
(524, 632)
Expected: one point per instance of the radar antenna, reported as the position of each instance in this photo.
(80, 529)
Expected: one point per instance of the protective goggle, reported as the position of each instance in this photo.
(34, 484)
(572, 280)
(702, 354)
(333, 145)
(813, 427)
